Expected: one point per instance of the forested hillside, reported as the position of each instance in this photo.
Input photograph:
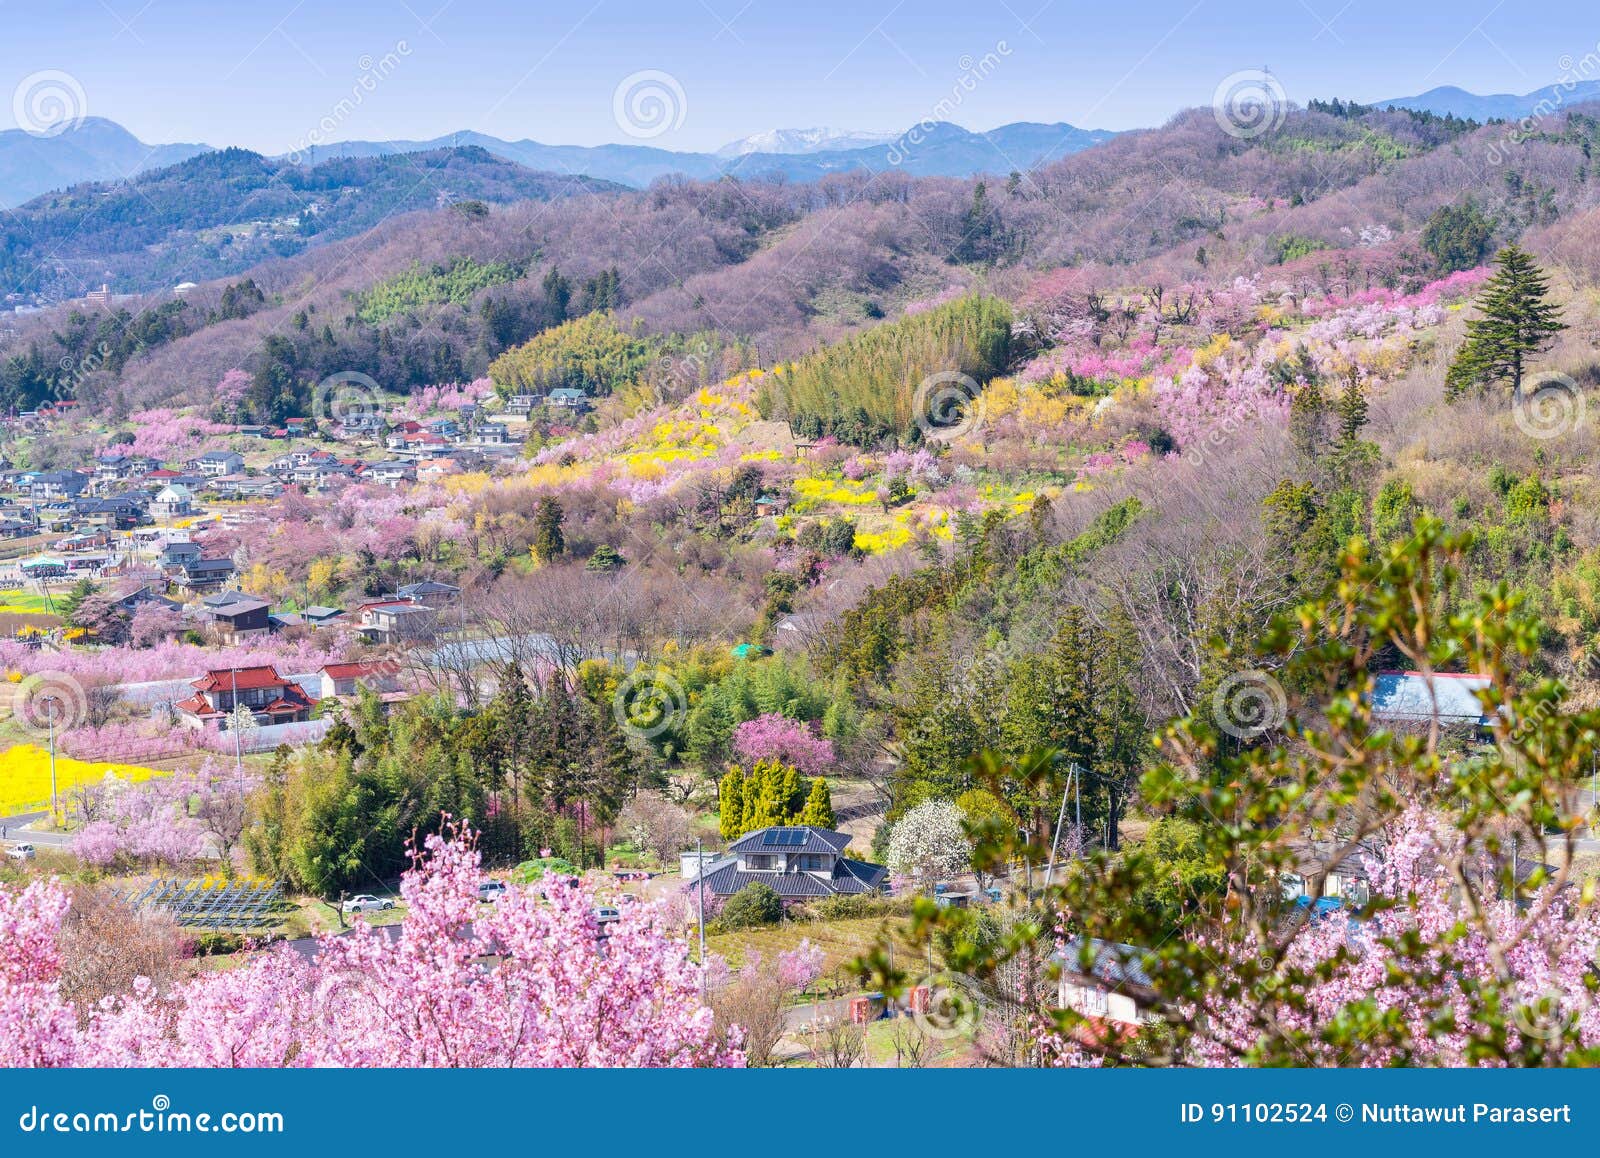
(788, 267)
(224, 211)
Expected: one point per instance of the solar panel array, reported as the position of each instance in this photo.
(205, 904)
(785, 837)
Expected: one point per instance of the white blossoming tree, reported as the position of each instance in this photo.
(928, 843)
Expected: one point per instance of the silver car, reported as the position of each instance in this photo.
(367, 903)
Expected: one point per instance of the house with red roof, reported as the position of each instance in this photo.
(271, 698)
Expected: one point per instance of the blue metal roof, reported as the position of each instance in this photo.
(1413, 698)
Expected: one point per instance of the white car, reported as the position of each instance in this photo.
(366, 903)
(491, 890)
(605, 915)
(21, 852)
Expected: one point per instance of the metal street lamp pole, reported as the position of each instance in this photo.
(55, 800)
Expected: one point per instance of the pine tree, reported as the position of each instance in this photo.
(772, 794)
(1352, 410)
(787, 792)
(68, 607)
(761, 807)
(1308, 419)
(548, 541)
(605, 558)
(1517, 323)
(818, 812)
(512, 713)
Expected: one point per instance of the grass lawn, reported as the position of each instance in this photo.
(942, 1052)
(315, 916)
(841, 942)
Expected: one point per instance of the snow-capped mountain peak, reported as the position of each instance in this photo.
(802, 141)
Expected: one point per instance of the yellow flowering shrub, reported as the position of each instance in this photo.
(876, 542)
(1213, 350)
(843, 491)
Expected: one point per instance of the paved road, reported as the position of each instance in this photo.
(17, 832)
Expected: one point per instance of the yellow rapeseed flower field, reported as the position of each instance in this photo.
(25, 777)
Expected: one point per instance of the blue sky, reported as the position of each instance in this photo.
(267, 73)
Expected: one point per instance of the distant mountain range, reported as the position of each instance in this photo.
(943, 150)
(98, 150)
(1449, 100)
(95, 150)
(226, 210)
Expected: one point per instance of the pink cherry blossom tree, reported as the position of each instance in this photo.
(792, 742)
(529, 981)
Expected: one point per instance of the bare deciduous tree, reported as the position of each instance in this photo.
(836, 1045)
(657, 825)
(754, 1003)
(913, 1046)
(106, 946)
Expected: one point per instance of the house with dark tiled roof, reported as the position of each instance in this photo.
(430, 592)
(130, 594)
(800, 864)
(56, 484)
(231, 616)
(243, 486)
(319, 616)
(395, 621)
(111, 465)
(1105, 982)
(176, 554)
(270, 697)
(568, 398)
(122, 512)
(390, 473)
(204, 574)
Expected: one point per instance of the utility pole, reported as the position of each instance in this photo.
(1074, 787)
(50, 702)
(238, 750)
(700, 874)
